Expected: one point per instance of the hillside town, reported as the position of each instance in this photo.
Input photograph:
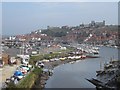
(93, 33)
(19, 49)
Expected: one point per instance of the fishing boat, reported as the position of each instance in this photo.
(92, 55)
(107, 78)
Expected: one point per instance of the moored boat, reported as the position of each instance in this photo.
(107, 78)
(92, 55)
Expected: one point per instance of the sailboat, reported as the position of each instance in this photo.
(101, 71)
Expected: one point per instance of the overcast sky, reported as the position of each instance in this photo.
(23, 17)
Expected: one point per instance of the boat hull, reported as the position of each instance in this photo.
(100, 85)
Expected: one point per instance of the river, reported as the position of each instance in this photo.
(73, 75)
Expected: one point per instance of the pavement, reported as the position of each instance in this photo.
(6, 72)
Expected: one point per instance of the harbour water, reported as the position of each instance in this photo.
(73, 75)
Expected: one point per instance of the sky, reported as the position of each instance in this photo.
(24, 17)
(59, 0)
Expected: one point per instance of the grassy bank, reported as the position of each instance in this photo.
(28, 81)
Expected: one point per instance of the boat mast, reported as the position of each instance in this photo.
(100, 64)
(23, 48)
(20, 50)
